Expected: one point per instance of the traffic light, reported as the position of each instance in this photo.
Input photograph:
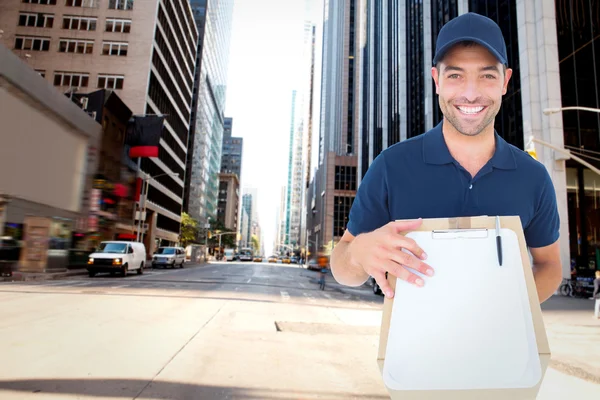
(209, 234)
(239, 237)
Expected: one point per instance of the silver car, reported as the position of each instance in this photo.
(170, 257)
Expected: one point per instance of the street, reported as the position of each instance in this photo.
(217, 331)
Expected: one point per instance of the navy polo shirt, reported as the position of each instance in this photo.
(418, 178)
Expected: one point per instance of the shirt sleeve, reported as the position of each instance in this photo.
(596, 287)
(370, 207)
(543, 230)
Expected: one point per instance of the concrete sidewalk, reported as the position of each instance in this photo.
(574, 336)
(18, 276)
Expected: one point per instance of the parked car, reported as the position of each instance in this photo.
(170, 257)
(258, 258)
(272, 259)
(117, 256)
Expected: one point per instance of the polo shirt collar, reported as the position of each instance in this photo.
(435, 150)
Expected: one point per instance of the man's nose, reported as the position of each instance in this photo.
(471, 90)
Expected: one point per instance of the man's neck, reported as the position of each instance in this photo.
(480, 147)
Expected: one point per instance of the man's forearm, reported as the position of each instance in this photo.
(343, 270)
(547, 279)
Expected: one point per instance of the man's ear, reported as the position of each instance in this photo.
(436, 78)
(507, 75)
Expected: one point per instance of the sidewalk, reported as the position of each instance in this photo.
(18, 276)
(574, 336)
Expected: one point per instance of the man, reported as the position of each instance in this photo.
(462, 167)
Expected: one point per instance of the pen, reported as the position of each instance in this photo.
(498, 240)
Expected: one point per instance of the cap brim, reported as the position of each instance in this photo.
(440, 53)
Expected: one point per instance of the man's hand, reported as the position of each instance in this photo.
(380, 251)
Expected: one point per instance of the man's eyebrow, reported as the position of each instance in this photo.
(452, 68)
(491, 68)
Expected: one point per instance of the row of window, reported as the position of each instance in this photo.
(79, 46)
(112, 4)
(40, 20)
(76, 79)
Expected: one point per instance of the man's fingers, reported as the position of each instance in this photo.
(403, 226)
(402, 242)
(410, 261)
(383, 283)
(402, 273)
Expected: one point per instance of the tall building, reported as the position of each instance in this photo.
(281, 236)
(289, 186)
(335, 179)
(244, 231)
(214, 19)
(82, 46)
(560, 32)
(229, 201)
(233, 147)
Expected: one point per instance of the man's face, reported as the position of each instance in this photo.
(470, 83)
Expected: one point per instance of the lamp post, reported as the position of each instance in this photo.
(554, 110)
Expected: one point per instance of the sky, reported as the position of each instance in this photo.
(264, 68)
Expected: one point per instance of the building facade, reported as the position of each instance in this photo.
(398, 100)
(233, 148)
(145, 51)
(229, 201)
(43, 203)
(335, 179)
(214, 19)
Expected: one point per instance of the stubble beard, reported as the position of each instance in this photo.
(450, 114)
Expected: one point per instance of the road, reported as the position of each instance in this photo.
(220, 331)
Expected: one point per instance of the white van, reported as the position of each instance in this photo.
(229, 254)
(170, 257)
(117, 256)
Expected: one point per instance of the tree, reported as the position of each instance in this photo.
(255, 243)
(189, 229)
(227, 241)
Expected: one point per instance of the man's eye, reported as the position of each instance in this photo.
(489, 76)
(453, 76)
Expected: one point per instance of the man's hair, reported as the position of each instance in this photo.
(466, 43)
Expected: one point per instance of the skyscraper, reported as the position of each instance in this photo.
(335, 179)
(144, 50)
(233, 147)
(214, 19)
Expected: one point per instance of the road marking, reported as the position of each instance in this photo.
(248, 281)
(302, 284)
(284, 295)
(327, 295)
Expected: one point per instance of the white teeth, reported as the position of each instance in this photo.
(470, 110)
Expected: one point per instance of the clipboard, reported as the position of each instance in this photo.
(475, 330)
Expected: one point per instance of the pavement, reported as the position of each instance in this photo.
(573, 334)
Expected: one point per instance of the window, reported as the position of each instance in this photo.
(41, 72)
(118, 25)
(71, 79)
(36, 19)
(79, 23)
(110, 81)
(32, 43)
(46, 2)
(114, 49)
(82, 3)
(120, 4)
(76, 46)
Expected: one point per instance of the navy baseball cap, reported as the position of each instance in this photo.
(471, 27)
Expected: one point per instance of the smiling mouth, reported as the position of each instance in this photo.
(470, 110)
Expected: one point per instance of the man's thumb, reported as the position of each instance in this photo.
(407, 225)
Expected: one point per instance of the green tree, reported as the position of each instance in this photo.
(189, 229)
(255, 243)
(227, 241)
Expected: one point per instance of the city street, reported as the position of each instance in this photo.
(217, 331)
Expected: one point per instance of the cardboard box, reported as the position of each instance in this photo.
(513, 223)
